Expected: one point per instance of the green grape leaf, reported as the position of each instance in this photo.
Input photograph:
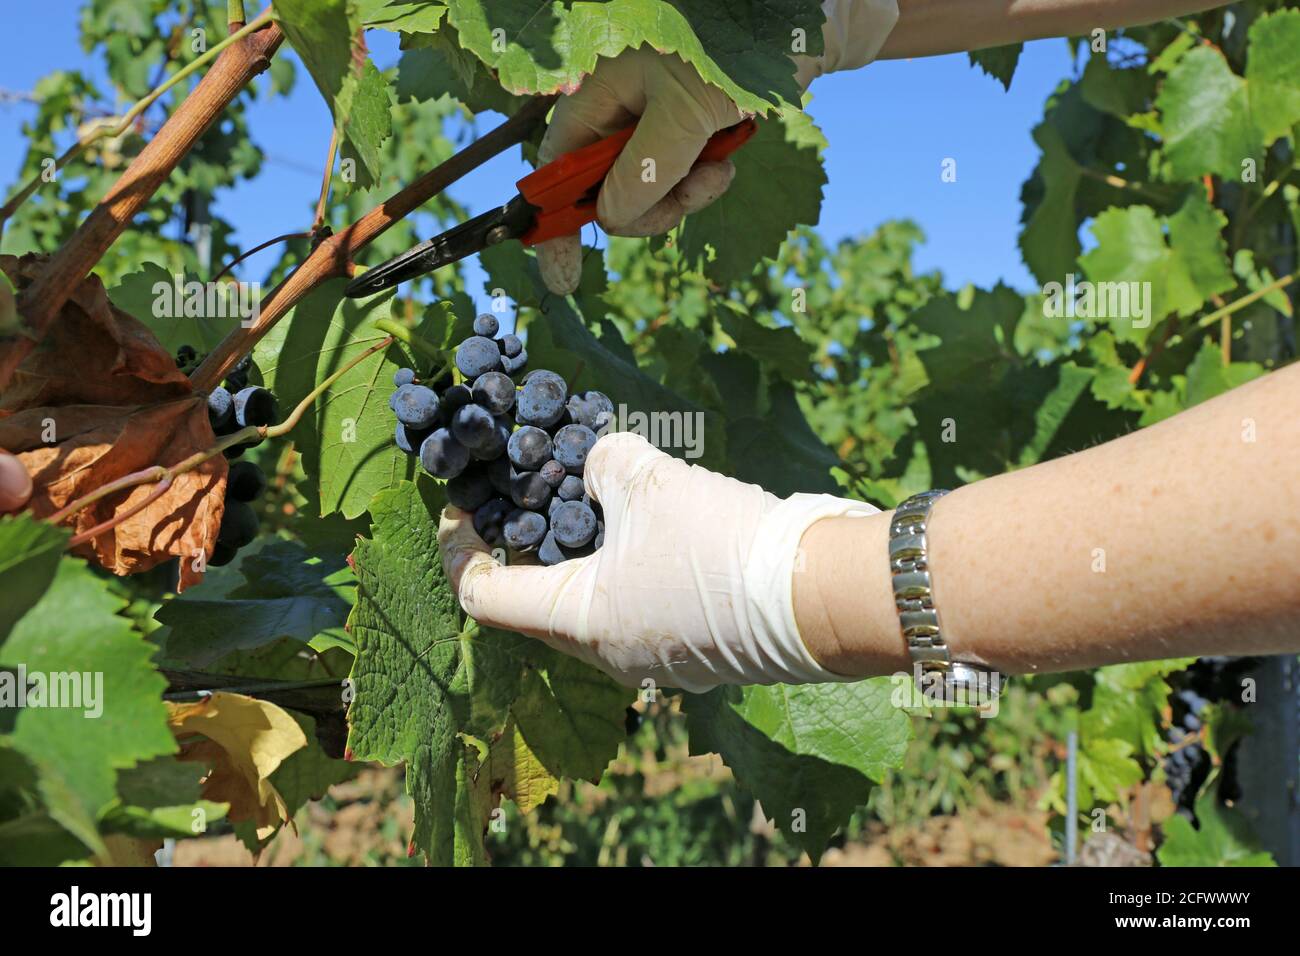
(420, 16)
(808, 753)
(998, 62)
(1273, 74)
(750, 220)
(780, 349)
(286, 592)
(1174, 275)
(75, 629)
(407, 628)
(743, 47)
(160, 798)
(327, 35)
(571, 715)
(1223, 837)
(30, 552)
(1119, 92)
(1206, 113)
(307, 773)
(346, 439)
(973, 416)
(369, 126)
(778, 449)
(435, 65)
(158, 298)
(1207, 376)
(1049, 242)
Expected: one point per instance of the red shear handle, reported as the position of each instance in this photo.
(566, 190)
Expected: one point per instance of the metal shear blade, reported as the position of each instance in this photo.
(494, 226)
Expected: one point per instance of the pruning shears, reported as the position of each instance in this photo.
(554, 200)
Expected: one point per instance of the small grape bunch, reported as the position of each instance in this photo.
(511, 453)
(231, 407)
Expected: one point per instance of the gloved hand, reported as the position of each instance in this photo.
(692, 588)
(678, 113)
(15, 483)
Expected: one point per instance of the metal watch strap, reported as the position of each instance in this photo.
(914, 596)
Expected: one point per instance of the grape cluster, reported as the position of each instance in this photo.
(1187, 765)
(512, 453)
(233, 406)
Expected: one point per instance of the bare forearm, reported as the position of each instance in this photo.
(930, 27)
(1179, 540)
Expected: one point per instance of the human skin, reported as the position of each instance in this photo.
(1179, 540)
(933, 27)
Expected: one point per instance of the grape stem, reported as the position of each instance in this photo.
(165, 475)
(1246, 300)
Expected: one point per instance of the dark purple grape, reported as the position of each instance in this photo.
(571, 489)
(255, 406)
(524, 530)
(222, 555)
(473, 426)
(238, 524)
(573, 524)
(529, 490)
(572, 444)
(529, 448)
(477, 355)
(442, 456)
(455, 397)
(469, 489)
(403, 376)
(416, 406)
(599, 541)
(513, 364)
(510, 345)
(495, 445)
(593, 409)
(541, 402)
(554, 473)
(486, 325)
(489, 519)
(409, 440)
(221, 408)
(499, 473)
(550, 553)
(245, 481)
(495, 392)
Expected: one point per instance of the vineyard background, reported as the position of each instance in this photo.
(1140, 178)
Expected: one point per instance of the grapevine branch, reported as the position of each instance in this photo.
(165, 475)
(242, 58)
(333, 257)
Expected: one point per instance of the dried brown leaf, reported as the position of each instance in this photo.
(99, 399)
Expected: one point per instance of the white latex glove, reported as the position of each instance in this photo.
(693, 587)
(678, 113)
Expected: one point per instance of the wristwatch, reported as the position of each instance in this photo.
(917, 615)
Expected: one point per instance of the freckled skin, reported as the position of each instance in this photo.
(1201, 541)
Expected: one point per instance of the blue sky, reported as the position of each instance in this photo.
(890, 127)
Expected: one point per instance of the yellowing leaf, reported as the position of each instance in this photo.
(247, 740)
